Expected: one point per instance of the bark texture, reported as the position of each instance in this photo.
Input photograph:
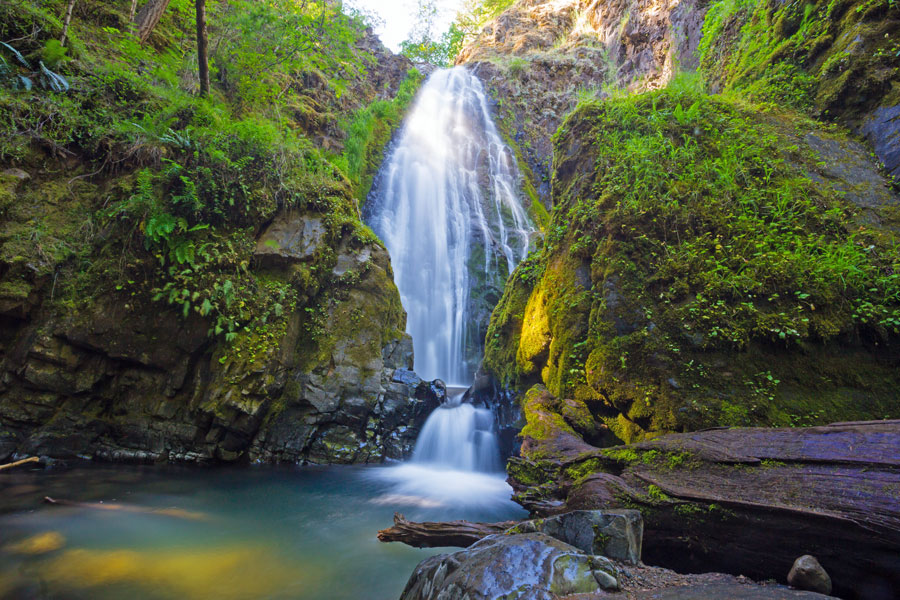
(148, 17)
(431, 535)
(742, 500)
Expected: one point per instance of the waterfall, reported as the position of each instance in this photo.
(446, 204)
(459, 436)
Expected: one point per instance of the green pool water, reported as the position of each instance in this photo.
(225, 533)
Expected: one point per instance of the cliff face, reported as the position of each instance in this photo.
(204, 292)
(539, 58)
(696, 268)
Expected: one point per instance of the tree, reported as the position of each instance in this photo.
(202, 47)
(66, 22)
(423, 44)
(148, 17)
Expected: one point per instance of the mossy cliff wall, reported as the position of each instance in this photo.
(187, 278)
(708, 262)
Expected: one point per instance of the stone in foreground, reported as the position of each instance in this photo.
(808, 574)
(616, 534)
(530, 566)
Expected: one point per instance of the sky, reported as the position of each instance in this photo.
(399, 17)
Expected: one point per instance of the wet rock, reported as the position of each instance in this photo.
(616, 534)
(531, 566)
(432, 392)
(882, 130)
(808, 574)
(291, 238)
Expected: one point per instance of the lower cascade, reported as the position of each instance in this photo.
(459, 436)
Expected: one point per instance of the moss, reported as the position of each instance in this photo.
(694, 274)
(583, 469)
(833, 58)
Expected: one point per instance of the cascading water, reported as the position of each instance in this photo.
(446, 205)
(459, 436)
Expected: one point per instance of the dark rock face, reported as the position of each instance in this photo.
(530, 566)
(616, 534)
(882, 130)
(129, 381)
(808, 574)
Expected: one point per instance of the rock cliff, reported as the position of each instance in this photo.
(654, 301)
(206, 293)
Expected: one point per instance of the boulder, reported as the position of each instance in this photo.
(616, 534)
(808, 574)
(531, 566)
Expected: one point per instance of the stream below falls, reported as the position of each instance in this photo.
(226, 533)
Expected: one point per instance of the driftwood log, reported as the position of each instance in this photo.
(432, 535)
(19, 463)
(743, 501)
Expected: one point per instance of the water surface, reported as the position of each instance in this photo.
(226, 533)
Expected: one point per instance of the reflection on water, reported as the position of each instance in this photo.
(273, 533)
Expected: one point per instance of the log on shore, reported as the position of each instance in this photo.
(745, 500)
(431, 535)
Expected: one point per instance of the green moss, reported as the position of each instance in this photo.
(835, 58)
(694, 274)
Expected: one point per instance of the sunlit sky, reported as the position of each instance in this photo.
(399, 17)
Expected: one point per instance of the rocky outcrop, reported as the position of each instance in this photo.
(838, 61)
(651, 306)
(740, 500)
(127, 381)
(529, 566)
(540, 58)
(259, 323)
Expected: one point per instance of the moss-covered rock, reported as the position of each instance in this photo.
(707, 263)
(837, 59)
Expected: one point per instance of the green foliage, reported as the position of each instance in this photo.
(688, 232)
(368, 132)
(189, 182)
(18, 74)
(824, 57)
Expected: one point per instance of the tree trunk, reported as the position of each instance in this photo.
(431, 535)
(132, 11)
(66, 22)
(746, 501)
(202, 47)
(148, 17)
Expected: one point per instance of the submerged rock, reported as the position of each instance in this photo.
(808, 574)
(531, 566)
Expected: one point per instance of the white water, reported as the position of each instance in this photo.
(447, 195)
(447, 207)
(459, 436)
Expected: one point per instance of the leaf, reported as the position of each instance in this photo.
(17, 54)
(204, 310)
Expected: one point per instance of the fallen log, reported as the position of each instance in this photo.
(178, 513)
(19, 463)
(740, 500)
(432, 535)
